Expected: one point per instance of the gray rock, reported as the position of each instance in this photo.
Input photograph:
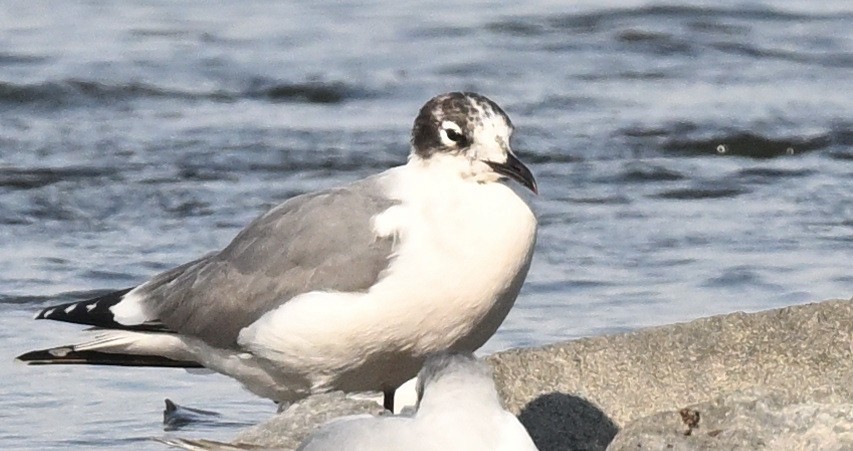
(747, 420)
(576, 395)
(287, 429)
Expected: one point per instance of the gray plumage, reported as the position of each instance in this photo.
(316, 241)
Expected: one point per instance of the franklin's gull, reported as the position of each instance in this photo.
(350, 288)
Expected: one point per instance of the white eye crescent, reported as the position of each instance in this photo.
(451, 134)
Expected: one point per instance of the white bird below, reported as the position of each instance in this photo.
(458, 408)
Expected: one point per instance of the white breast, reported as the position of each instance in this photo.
(463, 250)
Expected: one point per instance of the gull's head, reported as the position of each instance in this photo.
(448, 375)
(473, 132)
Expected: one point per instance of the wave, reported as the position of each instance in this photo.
(637, 172)
(310, 92)
(828, 59)
(29, 178)
(68, 296)
(17, 58)
(769, 174)
(702, 191)
(75, 92)
(68, 92)
(693, 31)
(608, 18)
(747, 144)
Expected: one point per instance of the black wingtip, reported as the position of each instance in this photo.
(66, 355)
(43, 355)
(91, 312)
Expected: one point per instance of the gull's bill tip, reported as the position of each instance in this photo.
(514, 169)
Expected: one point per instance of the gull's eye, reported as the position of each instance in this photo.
(454, 135)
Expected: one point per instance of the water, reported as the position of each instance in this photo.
(691, 160)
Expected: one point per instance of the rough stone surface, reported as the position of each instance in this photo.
(751, 376)
(750, 420)
(576, 395)
(288, 429)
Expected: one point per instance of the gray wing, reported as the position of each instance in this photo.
(316, 241)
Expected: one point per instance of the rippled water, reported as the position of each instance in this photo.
(691, 160)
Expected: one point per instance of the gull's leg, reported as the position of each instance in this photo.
(388, 401)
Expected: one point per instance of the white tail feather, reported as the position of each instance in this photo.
(138, 343)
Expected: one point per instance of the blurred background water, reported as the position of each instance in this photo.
(692, 160)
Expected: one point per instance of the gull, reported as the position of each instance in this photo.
(349, 288)
(458, 408)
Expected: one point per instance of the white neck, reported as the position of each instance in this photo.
(459, 166)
